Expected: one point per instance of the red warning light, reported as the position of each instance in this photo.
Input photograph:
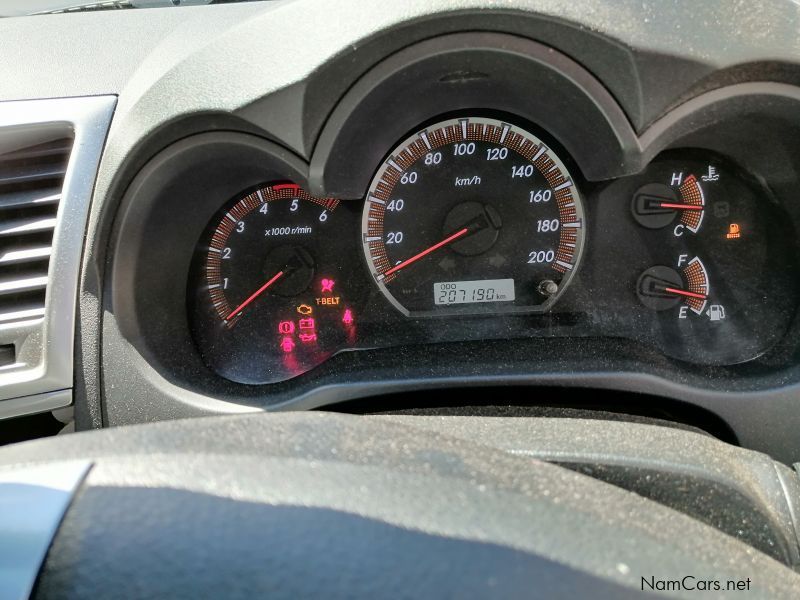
(347, 319)
(286, 327)
(287, 344)
(307, 323)
(327, 285)
(734, 231)
(308, 337)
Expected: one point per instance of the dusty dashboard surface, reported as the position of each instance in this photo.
(442, 195)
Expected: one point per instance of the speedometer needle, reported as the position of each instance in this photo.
(416, 257)
(678, 292)
(254, 295)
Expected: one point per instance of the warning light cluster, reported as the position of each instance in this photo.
(303, 329)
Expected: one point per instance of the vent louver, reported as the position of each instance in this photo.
(49, 157)
(31, 181)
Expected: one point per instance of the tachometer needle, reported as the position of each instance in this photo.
(680, 206)
(678, 292)
(254, 295)
(416, 257)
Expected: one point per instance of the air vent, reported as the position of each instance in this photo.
(49, 155)
(31, 181)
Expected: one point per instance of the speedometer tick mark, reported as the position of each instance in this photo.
(394, 165)
(561, 186)
(542, 150)
(506, 129)
(464, 123)
(424, 136)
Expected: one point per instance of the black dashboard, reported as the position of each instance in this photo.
(303, 203)
(480, 299)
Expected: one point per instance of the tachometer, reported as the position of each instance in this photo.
(271, 294)
(472, 215)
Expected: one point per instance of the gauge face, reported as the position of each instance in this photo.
(471, 216)
(656, 205)
(707, 256)
(662, 288)
(271, 297)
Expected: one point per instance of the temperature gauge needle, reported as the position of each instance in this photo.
(416, 257)
(680, 206)
(254, 295)
(679, 292)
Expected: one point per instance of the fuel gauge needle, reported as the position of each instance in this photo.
(679, 292)
(254, 295)
(416, 257)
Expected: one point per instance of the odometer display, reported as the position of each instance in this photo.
(468, 202)
(469, 292)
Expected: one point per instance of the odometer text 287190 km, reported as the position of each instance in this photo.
(476, 206)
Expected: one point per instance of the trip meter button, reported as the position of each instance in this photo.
(467, 203)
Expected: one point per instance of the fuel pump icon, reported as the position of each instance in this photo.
(716, 312)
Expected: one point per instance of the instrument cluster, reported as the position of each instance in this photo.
(481, 226)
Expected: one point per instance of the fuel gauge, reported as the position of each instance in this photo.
(663, 288)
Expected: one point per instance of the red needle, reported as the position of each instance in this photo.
(416, 257)
(254, 295)
(685, 293)
(680, 206)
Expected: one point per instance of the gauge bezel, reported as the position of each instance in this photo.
(176, 195)
(529, 146)
(221, 227)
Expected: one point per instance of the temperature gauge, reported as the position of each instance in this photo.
(657, 205)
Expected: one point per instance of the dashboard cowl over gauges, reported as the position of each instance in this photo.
(505, 75)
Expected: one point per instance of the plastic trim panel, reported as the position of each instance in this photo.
(52, 337)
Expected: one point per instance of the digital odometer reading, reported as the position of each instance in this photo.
(468, 292)
(472, 199)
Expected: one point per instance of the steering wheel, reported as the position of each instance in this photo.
(296, 505)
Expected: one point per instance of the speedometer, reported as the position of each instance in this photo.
(472, 215)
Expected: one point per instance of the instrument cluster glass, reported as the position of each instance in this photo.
(472, 215)
(474, 228)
